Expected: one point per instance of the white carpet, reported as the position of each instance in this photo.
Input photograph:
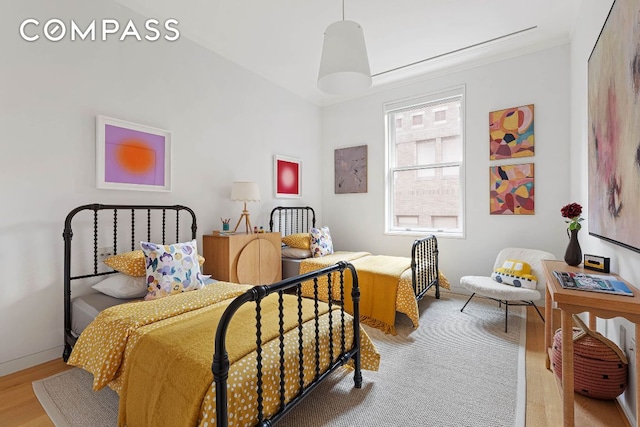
(456, 369)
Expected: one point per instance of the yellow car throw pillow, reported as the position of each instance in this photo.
(515, 273)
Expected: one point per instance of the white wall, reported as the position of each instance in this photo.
(593, 14)
(540, 78)
(226, 124)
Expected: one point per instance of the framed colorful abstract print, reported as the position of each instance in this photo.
(512, 190)
(511, 133)
(130, 156)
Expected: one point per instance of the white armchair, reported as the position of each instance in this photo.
(506, 294)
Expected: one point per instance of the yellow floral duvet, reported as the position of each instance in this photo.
(157, 355)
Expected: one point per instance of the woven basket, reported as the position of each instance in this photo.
(599, 366)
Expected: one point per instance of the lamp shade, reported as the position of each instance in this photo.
(245, 192)
(344, 65)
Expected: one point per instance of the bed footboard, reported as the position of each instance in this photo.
(424, 266)
(337, 356)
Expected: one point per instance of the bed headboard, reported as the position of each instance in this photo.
(119, 225)
(292, 219)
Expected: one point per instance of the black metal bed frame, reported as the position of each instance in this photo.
(424, 252)
(292, 220)
(220, 364)
(424, 266)
(69, 337)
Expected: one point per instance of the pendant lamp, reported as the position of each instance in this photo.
(344, 65)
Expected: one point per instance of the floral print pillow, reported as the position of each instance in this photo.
(171, 269)
(321, 243)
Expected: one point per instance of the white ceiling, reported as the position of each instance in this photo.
(281, 40)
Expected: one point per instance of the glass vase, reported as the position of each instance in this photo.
(573, 254)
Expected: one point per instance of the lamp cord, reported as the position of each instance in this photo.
(343, 10)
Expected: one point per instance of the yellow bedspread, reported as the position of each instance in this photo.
(405, 300)
(379, 276)
(163, 354)
(311, 264)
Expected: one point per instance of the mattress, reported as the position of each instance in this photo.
(290, 267)
(85, 308)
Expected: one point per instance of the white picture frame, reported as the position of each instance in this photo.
(287, 178)
(131, 156)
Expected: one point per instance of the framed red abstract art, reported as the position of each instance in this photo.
(288, 176)
(512, 190)
(130, 156)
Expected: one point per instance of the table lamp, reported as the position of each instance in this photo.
(245, 192)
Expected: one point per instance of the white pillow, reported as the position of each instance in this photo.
(122, 286)
(295, 253)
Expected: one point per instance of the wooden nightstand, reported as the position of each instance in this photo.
(243, 258)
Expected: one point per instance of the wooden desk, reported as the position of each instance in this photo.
(574, 302)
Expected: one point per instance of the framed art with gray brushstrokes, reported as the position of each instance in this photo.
(351, 170)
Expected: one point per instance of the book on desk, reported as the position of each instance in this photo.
(592, 283)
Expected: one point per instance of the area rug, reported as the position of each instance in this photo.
(456, 369)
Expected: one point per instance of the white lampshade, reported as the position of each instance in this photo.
(245, 192)
(344, 66)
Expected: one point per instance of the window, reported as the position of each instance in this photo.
(425, 186)
(425, 154)
(408, 221)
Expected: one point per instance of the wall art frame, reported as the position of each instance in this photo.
(131, 156)
(287, 177)
(511, 133)
(613, 72)
(350, 166)
(512, 189)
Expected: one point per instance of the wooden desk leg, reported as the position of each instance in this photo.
(592, 321)
(567, 369)
(637, 326)
(548, 326)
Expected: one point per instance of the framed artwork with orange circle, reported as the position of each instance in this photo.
(131, 156)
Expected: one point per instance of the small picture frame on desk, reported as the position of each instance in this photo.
(596, 263)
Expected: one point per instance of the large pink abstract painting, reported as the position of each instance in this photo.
(132, 156)
(512, 190)
(614, 128)
(511, 133)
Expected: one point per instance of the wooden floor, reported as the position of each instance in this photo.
(19, 406)
(544, 404)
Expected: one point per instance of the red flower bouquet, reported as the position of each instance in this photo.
(572, 212)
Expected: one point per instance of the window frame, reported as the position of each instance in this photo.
(390, 109)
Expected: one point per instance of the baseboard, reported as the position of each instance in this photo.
(29, 361)
(625, 412)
